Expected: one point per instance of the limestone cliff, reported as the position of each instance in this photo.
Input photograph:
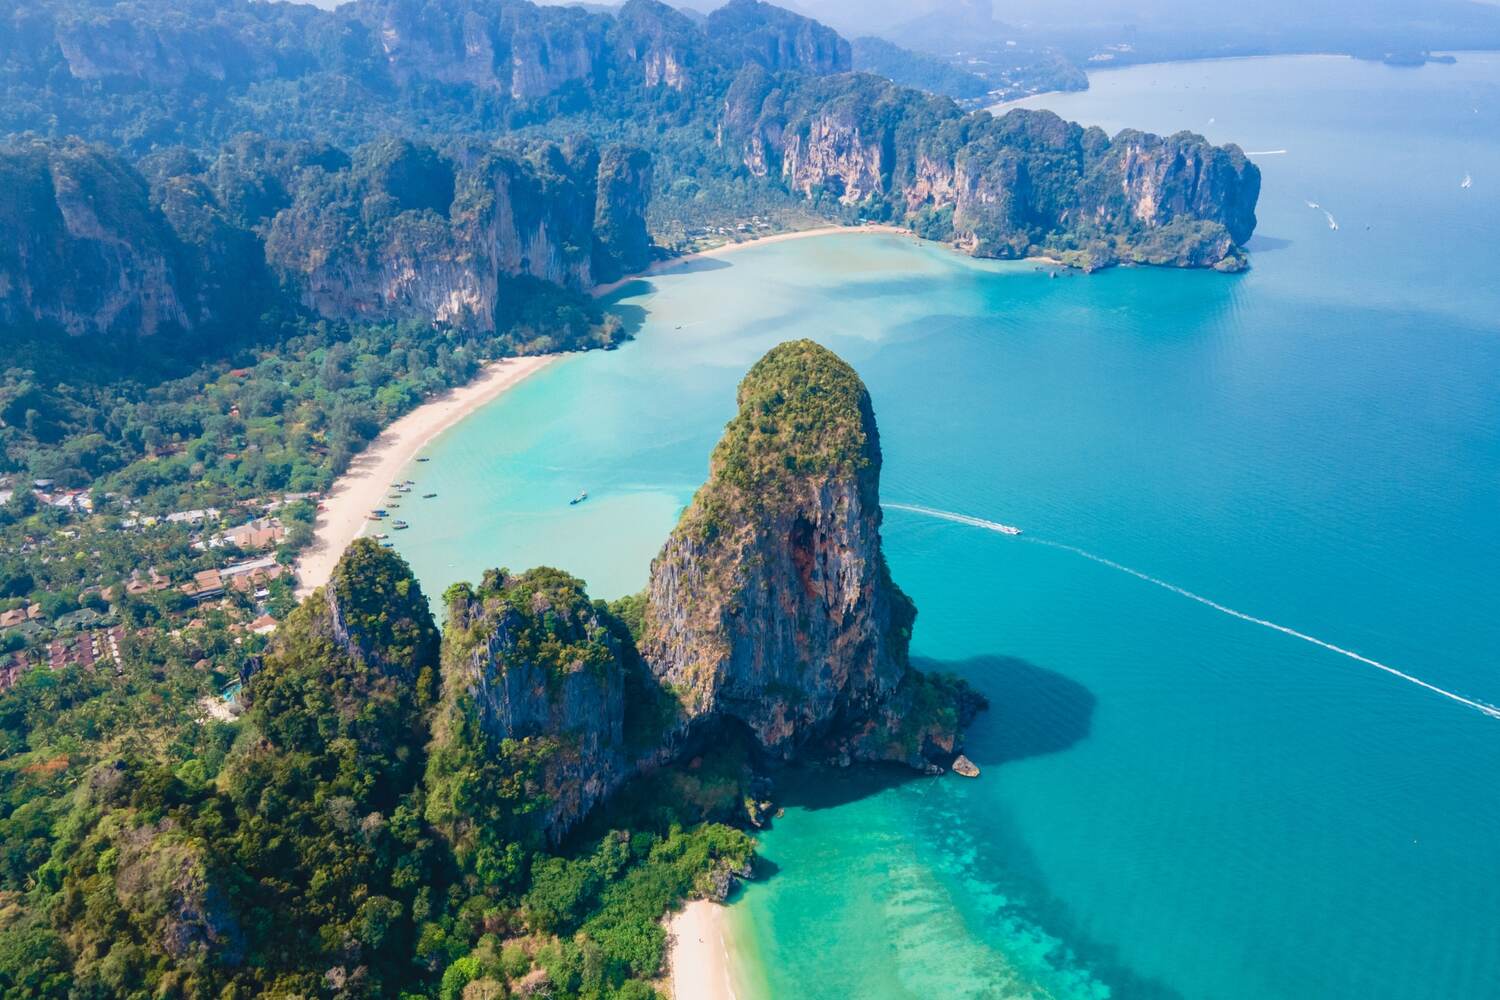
(365, 639)
(777, 39)
(395, 231)
(770, 612)
(85, 249)
(622, 244)
(519, 50)
(658, 42)
(1024, 183)
(534, 686)
(771, 604)
(434, 241)
(773, 90)
(377, 614)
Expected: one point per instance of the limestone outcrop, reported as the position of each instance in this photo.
(772, 604)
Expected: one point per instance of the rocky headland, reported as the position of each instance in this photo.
(772, 606)
(771, 619)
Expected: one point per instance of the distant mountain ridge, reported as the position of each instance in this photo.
(395, 231)
(241, 111)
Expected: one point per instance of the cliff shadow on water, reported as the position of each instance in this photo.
(1265, 244)
(1032, 712)
(631, 315)
(698, 265)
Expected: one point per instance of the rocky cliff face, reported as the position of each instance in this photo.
(777, 39)
(772, 604)
(774, 89)
(1157, 181)
(529, 661)
(434, 243)
(770, 612)
(515, 49)
(657, 41)
(85, 249)
(434, 238)
(834, 158)
(376, 613)
(621, 241)
(1024, 183)
(136, 45)
(395, 232)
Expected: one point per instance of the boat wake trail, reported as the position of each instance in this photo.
(948, 515)
(995, 526)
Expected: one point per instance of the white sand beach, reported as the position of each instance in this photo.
(698, 944)
(344, 511)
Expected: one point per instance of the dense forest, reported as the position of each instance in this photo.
(317, 847)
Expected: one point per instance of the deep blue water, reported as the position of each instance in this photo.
(1176, 802)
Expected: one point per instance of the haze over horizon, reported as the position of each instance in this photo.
(1103, 31)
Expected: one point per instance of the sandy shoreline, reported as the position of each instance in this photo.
(698, 945)
(801, 234)
(364, 485)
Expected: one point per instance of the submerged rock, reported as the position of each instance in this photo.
(965, 767)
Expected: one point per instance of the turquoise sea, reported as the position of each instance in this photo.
(1178, 799)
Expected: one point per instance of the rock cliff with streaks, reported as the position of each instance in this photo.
(772, 604)
(1017, 185)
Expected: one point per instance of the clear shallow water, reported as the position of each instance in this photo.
(1177, 803)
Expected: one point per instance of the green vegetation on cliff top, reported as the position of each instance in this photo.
(803, 412)
(548, 618)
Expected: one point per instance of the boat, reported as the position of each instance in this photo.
(580, 498)
(381, 537)
(1006, 529)
(424, 459)
(428, 496)
(378, 512)
(1468, 182)
(387, 544)
(401, 526)
(394, 506)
